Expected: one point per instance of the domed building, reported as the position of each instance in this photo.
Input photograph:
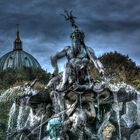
(18, 58)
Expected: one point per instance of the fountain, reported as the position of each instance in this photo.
(75, 106)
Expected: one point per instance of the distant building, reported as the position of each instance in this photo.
(18, 58)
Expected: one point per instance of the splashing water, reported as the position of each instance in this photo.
(80, 96)
(41, 126)
(9, 94)
(129, 89)
(33, 118)
(138, 108)
(100, 130)
(89, 79)
(98, 107)
(117, 86)
(12, 93)
(98, 87)
(22, 117)
(25, 125)
(81, 135)
(117, 110)
(19, 118)
(11, 117)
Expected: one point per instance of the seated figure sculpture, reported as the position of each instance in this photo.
(78, 56)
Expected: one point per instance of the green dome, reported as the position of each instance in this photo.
(18, 58)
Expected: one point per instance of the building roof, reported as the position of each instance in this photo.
(18, 58)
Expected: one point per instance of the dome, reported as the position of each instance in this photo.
(18, 58)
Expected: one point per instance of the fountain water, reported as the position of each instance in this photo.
(26, 123)
(80, 100)
(98, 107)
(20, 122)
(117, 110)
(138, 108)
(31, 120)
(40, 132)
(11, 117)
(105, 121)
(31, 116)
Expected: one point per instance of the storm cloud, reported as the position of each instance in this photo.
(109, 25)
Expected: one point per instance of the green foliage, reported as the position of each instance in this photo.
(121, 65)
(4, 110)
(117, 58)
(136, 83)
(94, 73)
(10, 76)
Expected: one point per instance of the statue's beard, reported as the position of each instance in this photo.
(76, 48)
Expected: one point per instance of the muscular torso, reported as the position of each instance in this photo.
(82, 57)
(79, 57)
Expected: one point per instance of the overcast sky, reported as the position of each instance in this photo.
(108, 25)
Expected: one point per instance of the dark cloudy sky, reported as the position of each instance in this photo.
(108, 25)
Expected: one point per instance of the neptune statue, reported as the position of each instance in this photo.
(79, 57)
